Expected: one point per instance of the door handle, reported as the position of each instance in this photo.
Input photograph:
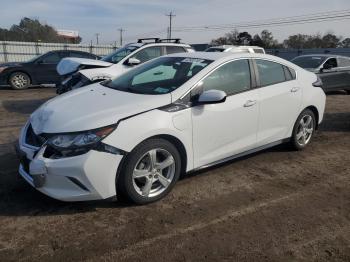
(250, 103)
(294, 89)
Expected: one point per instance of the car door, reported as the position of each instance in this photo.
(279, 101)
(331, 75)
(344, 72)
(225, 129)
(45, 68)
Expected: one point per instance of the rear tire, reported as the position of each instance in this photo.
(150, 171)
(19, 81)
(303, 130)
(348, 91)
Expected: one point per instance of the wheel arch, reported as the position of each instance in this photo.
(19, 71)
(179, 145)
(316, 113)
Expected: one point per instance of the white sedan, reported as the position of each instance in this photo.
(136, 134)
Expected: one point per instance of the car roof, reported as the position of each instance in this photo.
(322, 55)
(155, 44)
(235, 46)
(220, 55)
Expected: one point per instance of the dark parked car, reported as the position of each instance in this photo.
(38, 70)
(333, 70)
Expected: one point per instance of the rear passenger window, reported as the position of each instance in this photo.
(80, 55)
(174, 49)
(270, 73)
(289, 73)
(344, 62)
(233, 77)
(148, 53)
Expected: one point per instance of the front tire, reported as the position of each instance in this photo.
(303, 130)
(150, 171)
(19, 81)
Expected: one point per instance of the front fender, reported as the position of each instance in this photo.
(134, 130)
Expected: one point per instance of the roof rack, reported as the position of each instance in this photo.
(174, 40)
(156, 40)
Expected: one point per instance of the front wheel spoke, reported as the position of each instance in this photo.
(309, 130)
(166, 163)
(164, 181)
(146, 189)
(303, 139)
(300, 135)
(153, 158)
(140, 173)
(308, 121)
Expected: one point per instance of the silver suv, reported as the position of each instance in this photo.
(78, 72)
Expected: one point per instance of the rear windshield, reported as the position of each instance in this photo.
(309, 61)
(159, 76)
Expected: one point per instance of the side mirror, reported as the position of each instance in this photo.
(133, 61)
(212, 97)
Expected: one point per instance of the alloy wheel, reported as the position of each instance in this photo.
(305, 130)
(153, 172)
(19, 81)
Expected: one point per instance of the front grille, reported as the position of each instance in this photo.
(32, 139)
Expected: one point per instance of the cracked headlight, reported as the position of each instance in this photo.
(72, 144)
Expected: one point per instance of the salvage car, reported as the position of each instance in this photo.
(38, 70)
(134, 135)
(333, 70)
(82, 72)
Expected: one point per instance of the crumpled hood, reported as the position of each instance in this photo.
(71, 64)
(91, 107)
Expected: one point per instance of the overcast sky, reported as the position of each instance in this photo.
(139, 17)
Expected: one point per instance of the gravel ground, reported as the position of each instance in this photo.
(277, 205)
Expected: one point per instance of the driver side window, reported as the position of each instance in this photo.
(331, 63)
(148, 53)
(233, 77)
(53, 58)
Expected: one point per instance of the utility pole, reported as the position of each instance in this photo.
(121, 30)
(170, 15)
(97, 35)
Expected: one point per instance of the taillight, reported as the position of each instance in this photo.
(318, 82)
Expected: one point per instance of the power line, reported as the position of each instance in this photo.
(170, 15)
(147, 34)
(318, 17)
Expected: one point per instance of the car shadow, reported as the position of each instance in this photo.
(336, 122)
(334, 93)
(22, 106)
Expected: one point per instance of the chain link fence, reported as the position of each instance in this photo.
(23, 51)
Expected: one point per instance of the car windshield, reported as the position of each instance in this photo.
(159, 76)
(119, 54)
(309, 61)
